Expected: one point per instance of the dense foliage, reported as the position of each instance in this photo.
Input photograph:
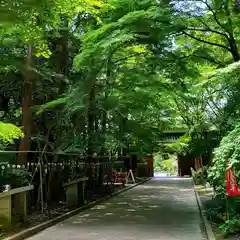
(108, 77)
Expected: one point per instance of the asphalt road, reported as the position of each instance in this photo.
(163, 208)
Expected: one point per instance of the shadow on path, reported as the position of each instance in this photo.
(163, 208)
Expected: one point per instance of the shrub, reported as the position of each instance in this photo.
(15, 177)
(231, 226)
(216, 209)
(227, 153)
(199, 176)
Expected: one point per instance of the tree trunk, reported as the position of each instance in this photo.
(234, 49)
(91, 125)
(103, 150)
(26, 108)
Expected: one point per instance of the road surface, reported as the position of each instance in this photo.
(161, 209)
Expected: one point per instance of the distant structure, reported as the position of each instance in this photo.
(183, 164)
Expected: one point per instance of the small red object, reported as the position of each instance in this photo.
(118, 176)
(231, 184)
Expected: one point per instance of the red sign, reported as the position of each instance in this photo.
(231, 184)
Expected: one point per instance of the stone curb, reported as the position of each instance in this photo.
(36, 229)
(207, 225)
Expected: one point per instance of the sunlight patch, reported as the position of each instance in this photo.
(108, 214)
(99, 207)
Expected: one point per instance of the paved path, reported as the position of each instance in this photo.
(163, 209)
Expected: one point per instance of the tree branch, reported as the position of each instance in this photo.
(212, 11)
(127, 57)
(207, 26)
(208, 30)
(186, 119)
(208, 59)
(213, 102)
(196, 56)
(214, 15)
(207, 42)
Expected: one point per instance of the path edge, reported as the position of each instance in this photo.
(207, 225)
(40, 227)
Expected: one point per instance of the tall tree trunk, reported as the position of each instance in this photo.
(61, 54)
(90, 131)
(26, 108)
(234, 49)
(91, 121)
(60, 59)
(103, 129)
(232, 40)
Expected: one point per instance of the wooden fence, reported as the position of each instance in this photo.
(49, 172)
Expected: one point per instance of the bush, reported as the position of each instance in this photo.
(227, 153)
(216, 209)
(14, 177)
(231, 226)
(165, 164)
(199, 176)
(169, 166)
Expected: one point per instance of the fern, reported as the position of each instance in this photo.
(52, 104)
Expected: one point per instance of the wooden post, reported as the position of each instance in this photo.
(41, 184)
(5, 211)
(13, 203)
(227, 208)
(150, 165)
(81, 193)
(75, 191)
(20, 206)
(72, 195)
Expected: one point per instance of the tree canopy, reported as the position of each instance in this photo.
(103, 78)
(109, 76)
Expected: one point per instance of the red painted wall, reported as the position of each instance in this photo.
(150, 160)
